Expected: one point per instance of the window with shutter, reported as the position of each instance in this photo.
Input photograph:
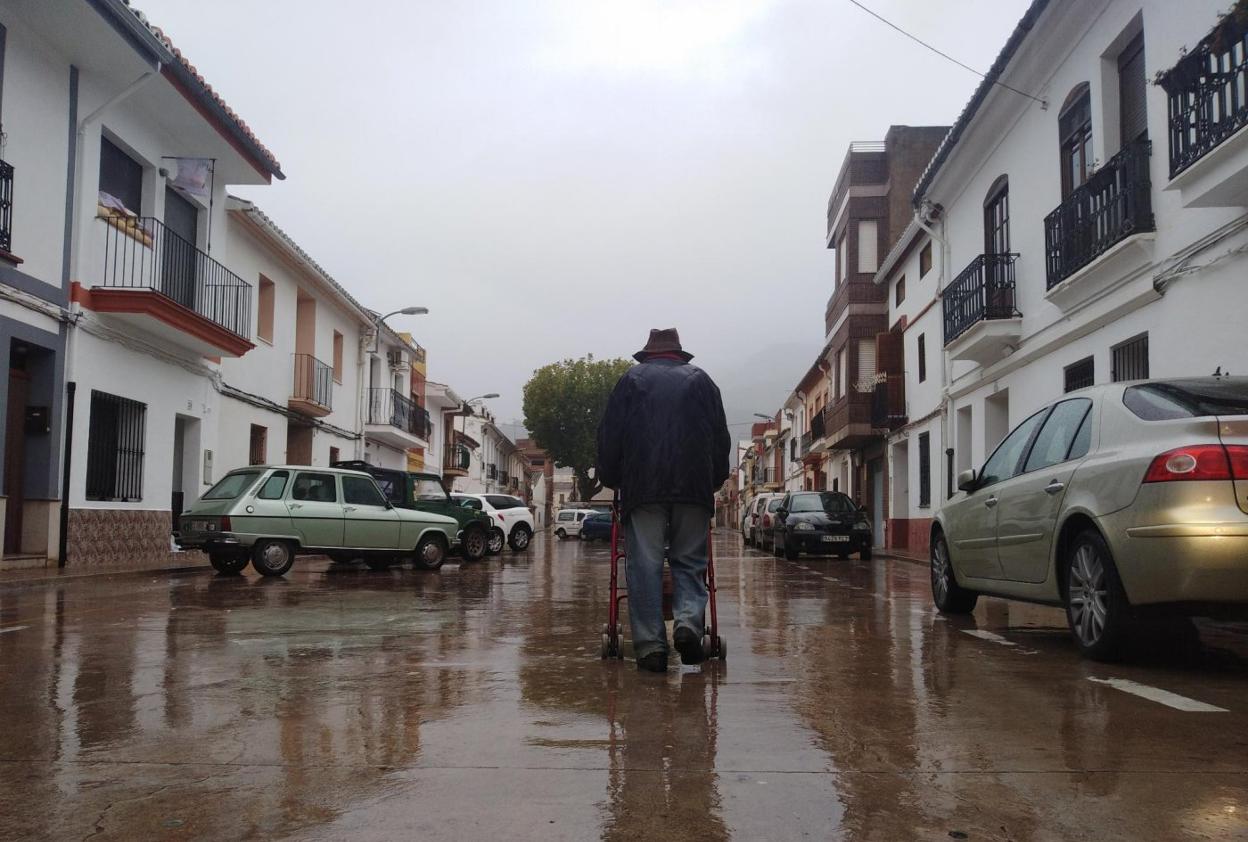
(866, 364)
(1132, 92)
(868, 259)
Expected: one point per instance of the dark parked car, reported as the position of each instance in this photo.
(820, 522)
(596, 527)
(425, 493)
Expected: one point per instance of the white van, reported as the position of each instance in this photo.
(568, 522)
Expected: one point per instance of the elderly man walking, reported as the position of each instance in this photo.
(663, 444)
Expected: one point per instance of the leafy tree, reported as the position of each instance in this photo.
(563, 403)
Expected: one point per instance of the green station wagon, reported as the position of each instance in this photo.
(269, 514)
(426, 493)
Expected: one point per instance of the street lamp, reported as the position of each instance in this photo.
(764, 417)
(406, 311)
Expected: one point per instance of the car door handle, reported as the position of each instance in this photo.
(348, 508)
(991, 502)
(1054, 487)
(296, 505)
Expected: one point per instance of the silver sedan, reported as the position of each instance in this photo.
(1118, 502)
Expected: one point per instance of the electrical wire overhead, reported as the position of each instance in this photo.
(943, 54)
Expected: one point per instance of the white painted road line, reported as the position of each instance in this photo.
(988, 636)
(13, 629)
(1165, 697)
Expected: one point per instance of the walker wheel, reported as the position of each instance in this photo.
(606, 646)
(707, 650)
(723, 649)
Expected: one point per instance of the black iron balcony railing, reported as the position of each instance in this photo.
(386, 406)
(141, 253)
(983, 290)
(504, 477)
(6, 206)
(1207, 90)
(1114, 203)
(803, 446)
(491, 471)
(458, 458)
(817, 427)
(515, 483)
(888, 403)
(313, 381)
(766, 475)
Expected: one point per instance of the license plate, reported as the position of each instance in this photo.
(202, 526)
(829, 539)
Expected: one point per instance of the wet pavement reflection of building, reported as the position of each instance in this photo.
(471, 703)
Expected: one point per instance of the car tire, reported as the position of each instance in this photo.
(561, 535)
(474, 543)
(430, 553)
(949, 596)
(227, 564)
(520, 537)
(495, 544)
(865, 555)
(776, 550)
(272, 557)
(1097, 608)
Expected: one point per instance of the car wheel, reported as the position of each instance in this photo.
(271, 557)
(520, 537)
(865, 554)
(753, 539)
(561, 535)
(776, 547)
(1096, 605)
(227, 564)
(430, 553)
(949, 596)
(474, 543)
(495, 545)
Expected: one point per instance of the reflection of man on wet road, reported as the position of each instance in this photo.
(663, 444)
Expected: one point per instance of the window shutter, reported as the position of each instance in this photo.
(868, 246)
(1132, 91)
(866, 363)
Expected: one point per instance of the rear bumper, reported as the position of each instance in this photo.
(1183, 563)
(213, 541)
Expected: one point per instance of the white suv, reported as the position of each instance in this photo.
(513, 520)
(568, 522)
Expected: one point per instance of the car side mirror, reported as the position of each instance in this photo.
(967, 480)
(862, 507)
(782, 512)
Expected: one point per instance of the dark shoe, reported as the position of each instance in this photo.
(689, 645)
(654, 662)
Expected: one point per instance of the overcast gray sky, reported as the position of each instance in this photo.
(553, 178)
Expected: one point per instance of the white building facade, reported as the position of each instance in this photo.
(1095, 232)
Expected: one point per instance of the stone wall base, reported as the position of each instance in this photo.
(910, 535)
(124, 539)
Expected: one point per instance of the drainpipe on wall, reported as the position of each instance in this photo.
(943, 273)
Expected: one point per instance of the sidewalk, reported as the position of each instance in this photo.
(183, 562)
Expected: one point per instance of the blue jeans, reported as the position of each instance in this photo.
(683, 529)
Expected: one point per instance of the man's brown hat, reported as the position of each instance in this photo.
(663, 341)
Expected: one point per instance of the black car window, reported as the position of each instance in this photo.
(428, 489)
(1007, 458)
(1083, 439)
(772, 505)
(361, 491)
(824, 501)
(469, 503)
(1058, 434)
(314, 488)
(231, 485)
(500, 501)
(274, 486)
(390, 487)
(1187, 399)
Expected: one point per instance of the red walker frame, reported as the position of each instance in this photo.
(713, 645)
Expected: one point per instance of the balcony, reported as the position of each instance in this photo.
(504, 478)
(848, 420)
(491, 471)
(888, 403)
(396, 420)
(1207, 90)
(767, 477)
(804, 444)
(6, 208)
(979, 311)
(1096, 220)
(156, 281)
(312, 389)
(457, 461)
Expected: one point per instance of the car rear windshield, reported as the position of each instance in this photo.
(828, 501)
(500, 501)
(1187, 399)
(231, 485)
(427, 488)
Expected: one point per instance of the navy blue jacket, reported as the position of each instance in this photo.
(663, 437)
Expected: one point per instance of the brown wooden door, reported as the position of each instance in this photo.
(15, 460)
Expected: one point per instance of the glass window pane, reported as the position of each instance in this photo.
(1004, 463)
(360, 491)
(232, 485)
(274, 486)
(1057, 435)
(315, 488)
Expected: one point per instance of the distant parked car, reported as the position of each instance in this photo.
(512, 522)
(754, 518)
(821, 522)
(767, 522)
(426, 493)
(270, 514)
(1117, 502)
(568, 522)
(596, 527)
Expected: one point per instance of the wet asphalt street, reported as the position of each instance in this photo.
(471, 703)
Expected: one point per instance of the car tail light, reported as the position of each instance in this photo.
(225, 524)
(766, 520)
(1199, 462)
(503, 519)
